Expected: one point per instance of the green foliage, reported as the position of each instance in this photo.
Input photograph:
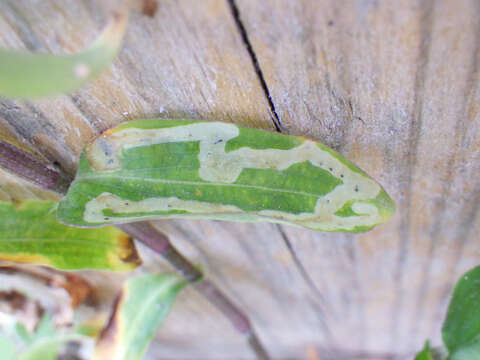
(425, 354)
(28, 75)
(7, 347)
(45, 343)
(461, 329)
(142, 306)
(189, 169)
(47, 349)
(30, 233)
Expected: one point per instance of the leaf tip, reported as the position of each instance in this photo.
(386, 206)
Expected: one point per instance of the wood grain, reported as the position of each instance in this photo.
(393, 86)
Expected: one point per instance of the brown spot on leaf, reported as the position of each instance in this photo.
(129, 253)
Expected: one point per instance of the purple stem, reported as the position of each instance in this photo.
(32, 169)
(237, 318)
(45, 176)
(160, 243)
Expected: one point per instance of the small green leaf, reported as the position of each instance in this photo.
(154, 169)
(425, 354)
(142, 306)
(29, 75)
(30, 233)
(22, 333)
(462, 324)
(45, 349)
(45, 329)
(49, 348)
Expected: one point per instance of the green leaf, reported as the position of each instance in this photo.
(30, 233)
(425, 354)
(467, 352)
(29, 75)
(45, 329)
(45, 349)
(23, 333)
(462, 324)
(49, 348)
(154, 169)
(142, 306)
(7, 347)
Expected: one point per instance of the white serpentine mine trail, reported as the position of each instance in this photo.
(221, 168)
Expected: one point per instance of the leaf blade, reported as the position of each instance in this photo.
(30, 233)
(49, 348)
(172, 168)
(467, 352)
(462, 323)
(30, 75)
(142, 306)
(425, 354)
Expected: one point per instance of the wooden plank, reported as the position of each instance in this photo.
(394, 87)
(189, 61)
(252, 263)
(186, 62)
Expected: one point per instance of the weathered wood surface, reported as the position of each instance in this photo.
(393, 86)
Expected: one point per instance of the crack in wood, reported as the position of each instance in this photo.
(253, 57)
(319, 299)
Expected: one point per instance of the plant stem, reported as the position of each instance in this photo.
(45, 176)
(32, 169)
(160, 243)
(157, 241)
(237, 318)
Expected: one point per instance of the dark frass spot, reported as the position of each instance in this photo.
(328, 201)
(341, 175)
(217, 141)
(356, 188)
(106, 218)
(126, 204)
(331, 169)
